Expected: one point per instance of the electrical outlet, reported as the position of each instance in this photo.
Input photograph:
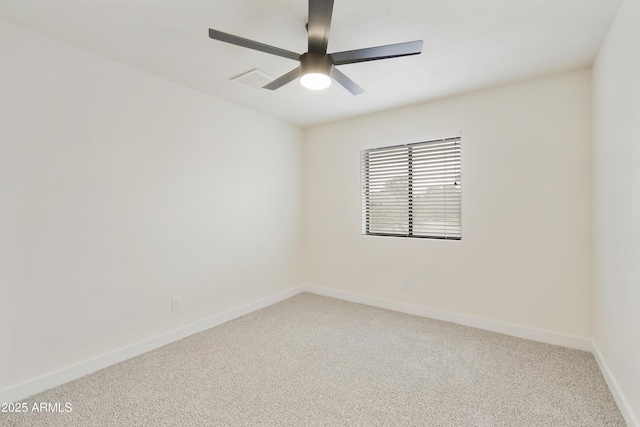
(176, 304)
(405, 283)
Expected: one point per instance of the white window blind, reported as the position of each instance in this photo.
(413, 190)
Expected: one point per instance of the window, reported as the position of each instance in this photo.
(413, 190)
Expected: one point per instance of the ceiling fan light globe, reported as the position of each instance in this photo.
(315, 81)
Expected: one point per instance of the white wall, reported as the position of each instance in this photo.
(616, 184)
(525, 254)
(119, 190)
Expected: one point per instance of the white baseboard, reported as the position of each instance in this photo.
(53, 379)
(533, 334)
(621, 401)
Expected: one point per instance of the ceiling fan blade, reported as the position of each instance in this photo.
(239, 41)
(378, 52)
(319, 24)
(346, 82)
(283, 80)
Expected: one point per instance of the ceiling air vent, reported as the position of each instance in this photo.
(253, 79)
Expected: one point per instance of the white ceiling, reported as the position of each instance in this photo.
(468, 44)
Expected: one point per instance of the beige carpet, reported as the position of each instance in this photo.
(312, 361)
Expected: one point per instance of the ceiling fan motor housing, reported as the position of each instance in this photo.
(315, 62)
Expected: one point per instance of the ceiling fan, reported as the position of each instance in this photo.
(317, 67)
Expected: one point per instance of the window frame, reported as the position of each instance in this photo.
(364, 192)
